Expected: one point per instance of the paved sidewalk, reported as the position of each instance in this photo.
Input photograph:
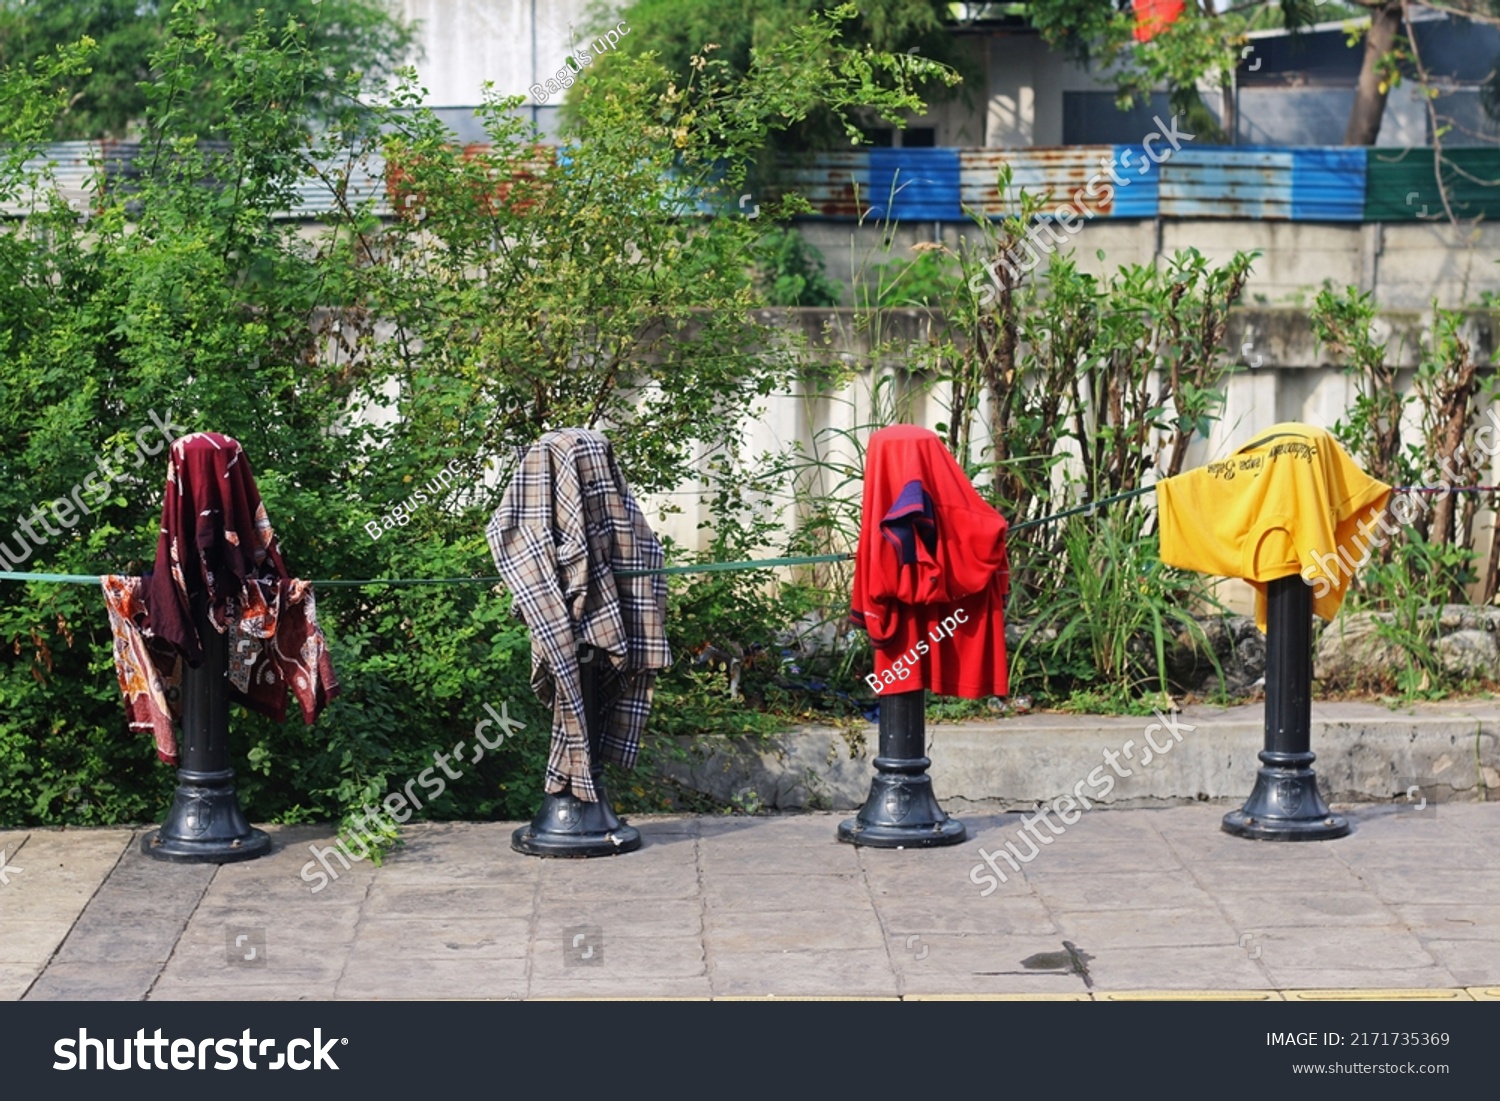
(1123, 901)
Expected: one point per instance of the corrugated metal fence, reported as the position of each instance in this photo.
(1313, 184)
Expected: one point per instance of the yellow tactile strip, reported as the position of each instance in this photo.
(1460, 994)
(1189, 995)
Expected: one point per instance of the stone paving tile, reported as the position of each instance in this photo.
(939, 982)
(981, 956)
(464, 938)
(789, 973)
(15, 978)
(1416, 978)
(1445, 921)
(261, 992)
(1254, 910)
(647, 959)
(1282, 877)
(763, 892)
(727, 826)
(1123, 890)
(1409, 854)
(291, 890)
(121, 935)
(1145, 928)
(760, 857)
(128, 931)
(658, 918)
(952, 882)
(666, 824)
(31, 942)
(1471, 962)
(1021, 915)
(616, 880)
(734, 906)
(121, 981)
(1093, 859)
(908, 869)
(1414, 883)
(62, 870)
(433, 979)
(1196, 845)
(208, 952)
(294, 922)
(439, 900)
(772, 930)
(627, 988)
(1386, 948)
(430, 860)
(1103, 825)
(1178, 968)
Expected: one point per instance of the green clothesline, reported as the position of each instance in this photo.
(704, 567)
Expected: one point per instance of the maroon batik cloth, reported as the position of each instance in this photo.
(216, 544)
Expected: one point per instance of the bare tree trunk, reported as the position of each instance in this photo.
(1369, 99)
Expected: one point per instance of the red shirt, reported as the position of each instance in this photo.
(931, 573)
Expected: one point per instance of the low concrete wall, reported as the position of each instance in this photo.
(1447, 752)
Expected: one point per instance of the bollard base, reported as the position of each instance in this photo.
(567, 826)
(1285, 805)
(902, 813)
(205, 825)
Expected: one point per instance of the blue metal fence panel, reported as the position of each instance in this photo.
(915, 185)
(1223, 182)
(1136, 179)
(1328, 185)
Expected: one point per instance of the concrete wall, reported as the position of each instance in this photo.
(513, 43)
(1405, 264)
(1294, 381)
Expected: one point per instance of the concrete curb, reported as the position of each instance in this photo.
(1444, 752)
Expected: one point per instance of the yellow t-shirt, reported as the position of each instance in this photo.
(1289, 502)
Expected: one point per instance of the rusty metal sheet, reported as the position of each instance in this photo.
(836, 183)
(1060, 175)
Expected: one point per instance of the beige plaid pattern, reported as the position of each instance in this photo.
(566, 524)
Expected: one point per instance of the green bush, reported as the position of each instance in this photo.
(356, 359)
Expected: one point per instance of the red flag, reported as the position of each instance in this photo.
(1154, 16)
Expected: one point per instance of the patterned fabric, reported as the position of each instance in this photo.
(216, 537)
(567, 522)
(149, 671)
(216, 546)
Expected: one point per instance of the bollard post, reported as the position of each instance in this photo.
(901, 811)
(205, 824)
(567, 825)
(1285, 804)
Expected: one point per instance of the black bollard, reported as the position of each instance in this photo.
(1285, 804)
(205, 824)
(902, 812)
(567, 825)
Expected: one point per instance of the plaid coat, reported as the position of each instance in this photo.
(567, 522)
